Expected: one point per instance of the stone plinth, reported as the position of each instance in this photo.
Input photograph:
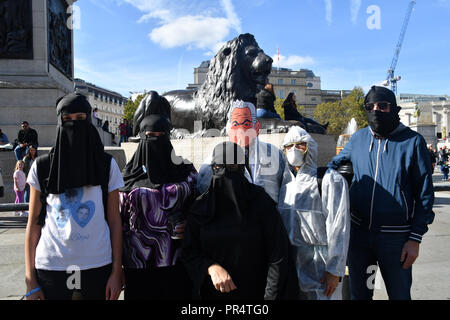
(197, 150)
(29, 86)
(427, 130)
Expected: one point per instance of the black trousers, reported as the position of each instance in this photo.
(165, 283)
(92, 284)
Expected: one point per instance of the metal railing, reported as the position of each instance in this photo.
(5, 207)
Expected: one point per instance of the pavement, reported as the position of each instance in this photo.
(431, 270)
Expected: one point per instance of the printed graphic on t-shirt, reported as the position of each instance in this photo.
(71, 205)
(84, 213)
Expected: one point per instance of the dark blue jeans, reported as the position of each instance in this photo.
(368, 249)
(20, 152)
(263, 113)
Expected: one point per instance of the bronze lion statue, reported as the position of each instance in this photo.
(238, 71)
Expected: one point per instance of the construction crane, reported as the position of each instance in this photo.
(391, 78)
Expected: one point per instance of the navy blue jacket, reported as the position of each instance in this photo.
(392, 187)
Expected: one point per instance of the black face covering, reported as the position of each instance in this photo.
(382, 123)
(227, 197)
(152, 164)
(77, 159)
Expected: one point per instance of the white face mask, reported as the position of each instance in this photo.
(296, 157)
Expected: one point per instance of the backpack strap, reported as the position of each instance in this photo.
(43, 169)
(105, 184)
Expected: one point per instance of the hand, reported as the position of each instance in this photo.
(179, 229)
(221, 279)
(115, 284)
(38, 295)
(331, 283)
(410, 252)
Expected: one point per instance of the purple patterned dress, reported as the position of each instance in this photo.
(146, 235)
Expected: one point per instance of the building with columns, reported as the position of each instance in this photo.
(110, 104)
(426, 114)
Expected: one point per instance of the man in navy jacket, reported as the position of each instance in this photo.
(391, 198)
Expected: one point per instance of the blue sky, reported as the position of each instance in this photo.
(132, 45)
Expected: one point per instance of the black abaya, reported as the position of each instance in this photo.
(255, 253)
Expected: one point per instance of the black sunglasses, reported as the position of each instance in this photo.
(383, 105)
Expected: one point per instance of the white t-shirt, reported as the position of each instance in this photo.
(75, 232)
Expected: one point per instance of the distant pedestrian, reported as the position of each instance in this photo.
(129, 130)
(98, 121)
(26, 137)
(29, 158)
(123, 131)
(445, 169)
(105, 126)
(443, 158)
(19, 184)
(432, 157)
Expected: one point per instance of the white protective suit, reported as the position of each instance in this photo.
(318, 227)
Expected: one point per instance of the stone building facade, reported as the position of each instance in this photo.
(110, 104)
(426, 114)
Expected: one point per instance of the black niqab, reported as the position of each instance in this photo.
(382, 123)
(154, 163)
(227, 197)
(77, 159)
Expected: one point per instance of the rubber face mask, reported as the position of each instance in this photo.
(296, 157)
(242, 130)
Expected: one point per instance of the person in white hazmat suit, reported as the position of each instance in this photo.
(318, 223)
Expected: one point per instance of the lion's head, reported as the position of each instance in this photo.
(239, 70)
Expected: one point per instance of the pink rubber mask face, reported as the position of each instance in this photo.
(242, 130)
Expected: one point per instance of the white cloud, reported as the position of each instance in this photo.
(354, 9)
(231, 15)
(328, 11)
(201, 32)
(188, 23)
(292, 61)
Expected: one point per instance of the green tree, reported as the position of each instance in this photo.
(279, 107)
(339, 113)
(130, 108)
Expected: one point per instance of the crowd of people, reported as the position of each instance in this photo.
(255, 222)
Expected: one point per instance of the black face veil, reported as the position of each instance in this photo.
(227, 197)
(154, 163)
(382, 123)
(77, 159)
